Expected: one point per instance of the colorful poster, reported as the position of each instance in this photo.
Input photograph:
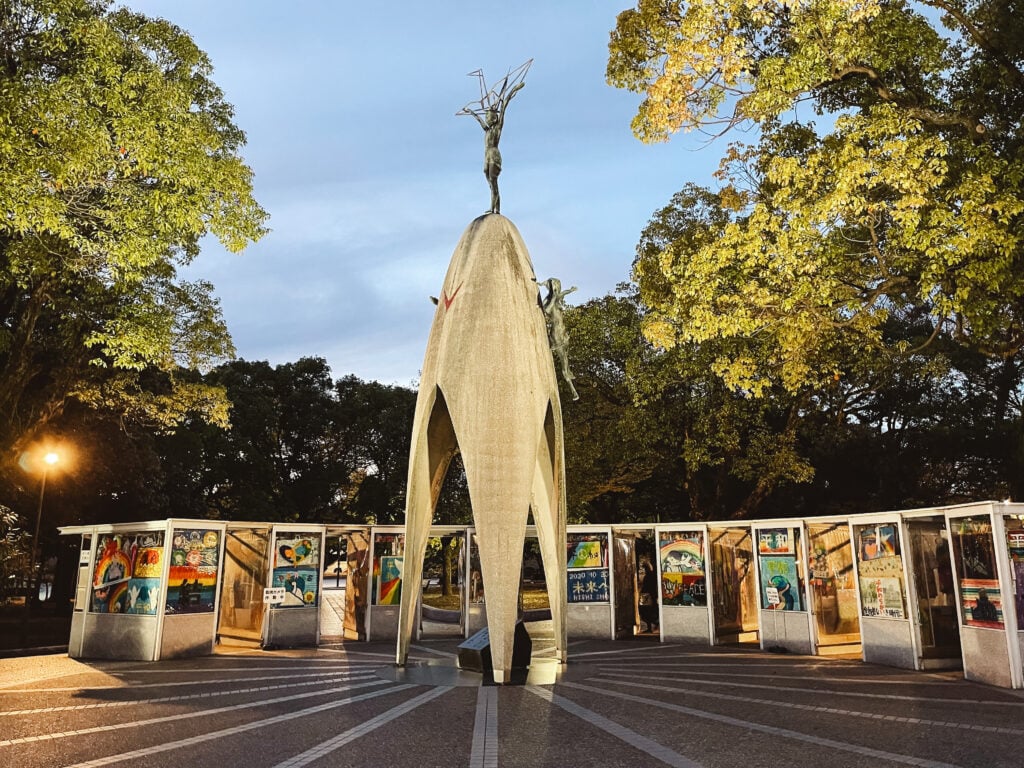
(881, 580)
(297, 567)
(981, 603)
(775, 541)
(683, 589)
(192, 579)
(780, 574)
(683, 580)
(1015, 545)
(143, 596)
(881, 597)
(588, 586)
(820, 565)
(887, 540)
(127, 574)
(877, 541)
(585, 553)
(682, 553)
(389, 583)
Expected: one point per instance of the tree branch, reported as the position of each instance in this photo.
(981, 39)
(925, 115)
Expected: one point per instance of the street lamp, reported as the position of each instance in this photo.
(49, 459)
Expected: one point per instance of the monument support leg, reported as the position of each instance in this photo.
(434, 445)
(549, 517)
(501, 539)
(418, 517)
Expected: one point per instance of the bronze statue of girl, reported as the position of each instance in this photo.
(489, 111)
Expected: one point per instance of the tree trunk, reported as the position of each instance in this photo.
(450, 551)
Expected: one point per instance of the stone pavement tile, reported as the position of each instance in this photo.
(27, 670)
(277, 711)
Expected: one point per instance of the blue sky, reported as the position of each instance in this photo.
(370, 178)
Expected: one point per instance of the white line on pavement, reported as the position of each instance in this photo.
(485, 729)
(691, 677)
(389, 656)
(749, 725)
(814, 708)
(179, 743)
(315, 753)
(338, 677)
(322, 663)
(623, 654)
(435, 651)
(175, 684)
(634, 739)
(663, 661)
(186, 715)
(918, 679)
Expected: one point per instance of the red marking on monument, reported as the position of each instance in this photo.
(448, 301)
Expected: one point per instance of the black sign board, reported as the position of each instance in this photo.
(475, 652)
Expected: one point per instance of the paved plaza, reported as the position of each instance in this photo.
(633, 703)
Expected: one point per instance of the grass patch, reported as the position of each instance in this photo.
(534, 597)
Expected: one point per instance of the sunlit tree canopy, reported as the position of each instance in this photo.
(117, 155)
(881, 176)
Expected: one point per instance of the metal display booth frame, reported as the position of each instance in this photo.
(115, 618)
(124, 607)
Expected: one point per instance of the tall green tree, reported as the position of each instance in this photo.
(281, 458)
(118, 153)
(656, 436)
(14, 549)
(886, 180)
(910, 423)
(377, 419)
(301, 447)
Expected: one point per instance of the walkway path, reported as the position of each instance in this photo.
(623, 704)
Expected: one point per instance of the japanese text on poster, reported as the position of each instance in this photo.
(588, 586)
(775, 541)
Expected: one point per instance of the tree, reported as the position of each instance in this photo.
(281, 459)
(300, 447)
(378, 421)
(117, 155)
(453, 503)
(611, 461)
(657, 436)
(937, 423)
(906, 202)
(14, 546)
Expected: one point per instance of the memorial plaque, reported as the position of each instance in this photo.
(475, 652)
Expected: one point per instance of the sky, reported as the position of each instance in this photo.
(370, 178)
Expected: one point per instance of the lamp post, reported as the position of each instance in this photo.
(49, 459)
